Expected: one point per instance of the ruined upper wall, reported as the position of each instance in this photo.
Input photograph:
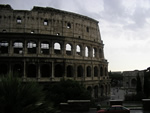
(48, 21)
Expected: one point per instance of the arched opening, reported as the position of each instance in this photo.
(45, 70)
(45, 48)
(89, 89)
(96, 91)
(106, 92)
(88, 71)
(79, 71)
(102, 90)
(78, 50)
(58, 70)
(94, 52)
(101, 71)
(133, 82)
(70, 71)
(57, 48)
(68, 49)
(18, 47)
(3, 47)
(31, 70)
(100, 53)
(87, 51)
(3, 69)
(18, 70)
(69, 25)
(31, 46)
(106, 71)
(95, 71)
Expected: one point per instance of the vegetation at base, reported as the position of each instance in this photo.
(66, 90)
(31, 97)
(19, 97)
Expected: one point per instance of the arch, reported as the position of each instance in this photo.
(95, 71)
(58, 70)
(94, 52)
(106, 88)
(31, 47)
(133, 82)
(89, 89)
(106, 71)
(102, 90)
(45, 70)
(45, 47)
(80, 71)
(68, 49)
(70, 71)
(31, 70)
(88, 71)
(101, 71)
(18, 47)
(69, 25)
(57, 48)
(3, 69)
(78, 50)
(18, 70)
(45, 22)
(87, 51)
(4, 46)
(100, 53)
(96, 91)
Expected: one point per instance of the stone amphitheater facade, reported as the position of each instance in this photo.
(47, 44)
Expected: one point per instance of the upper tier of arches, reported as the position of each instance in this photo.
(48, 21)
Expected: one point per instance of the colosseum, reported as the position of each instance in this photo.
(47, 44)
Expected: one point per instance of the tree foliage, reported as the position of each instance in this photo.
(67, 90)
(19, 97)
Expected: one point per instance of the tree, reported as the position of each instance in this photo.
(139, 84)
(67, 90)
(19, 97)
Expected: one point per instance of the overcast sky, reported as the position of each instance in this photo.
(124, 27)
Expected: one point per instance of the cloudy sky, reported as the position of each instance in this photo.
(124, 26)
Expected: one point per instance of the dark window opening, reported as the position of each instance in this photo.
(4, 31)
(101, 71)
(69, 71)
(88, 71)
(45, 70)
(106, 71)
(96, 91)
(87, 29)
(95, 71)
(68, 25)
(31, 70)
(45, 22)
(102, 90)
(79, 71)
(19, 20)
(58, 70)
(18, 70)
(4, 47)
